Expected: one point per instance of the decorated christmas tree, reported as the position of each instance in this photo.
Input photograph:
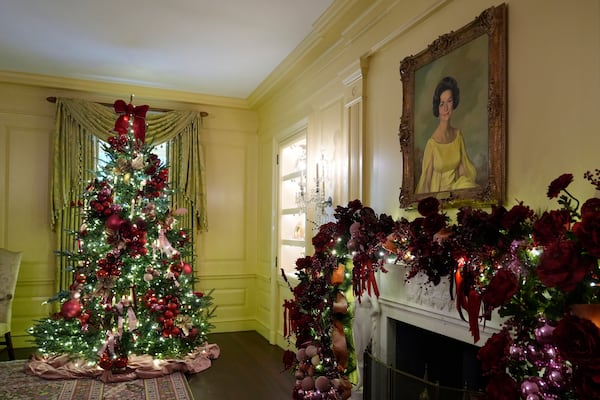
(132, 292)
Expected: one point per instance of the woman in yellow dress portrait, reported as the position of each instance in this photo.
(446, 165)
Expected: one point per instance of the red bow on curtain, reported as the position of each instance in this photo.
(135, 115)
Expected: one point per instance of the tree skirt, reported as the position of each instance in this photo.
(138, 367)
(20, 385)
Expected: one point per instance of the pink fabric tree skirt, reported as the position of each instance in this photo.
(138, 367)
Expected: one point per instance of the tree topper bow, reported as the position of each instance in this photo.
(135, 115)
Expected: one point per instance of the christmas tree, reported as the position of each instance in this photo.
(133, 286)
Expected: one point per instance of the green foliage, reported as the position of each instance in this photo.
(133, 282)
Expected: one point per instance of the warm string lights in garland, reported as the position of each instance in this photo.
(539, 272)
(132, 289)
(346, 259)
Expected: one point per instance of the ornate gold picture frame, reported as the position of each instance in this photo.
(453, 141)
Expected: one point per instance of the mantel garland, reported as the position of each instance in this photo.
(540, 272)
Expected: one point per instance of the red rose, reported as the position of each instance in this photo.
(501, 288)
(493, 353)
(516, 216)
(551, 226)
(428, 206)
(563, 266)
(304, 263)
(587, 386)
(434, 223)
(323, 239)
(578, 340)
(588, 230)
(502, 387)
(591, 210)
(559, 184)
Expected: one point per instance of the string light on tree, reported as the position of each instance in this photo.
(132, 291)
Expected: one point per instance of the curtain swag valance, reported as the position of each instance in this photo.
(78, 123)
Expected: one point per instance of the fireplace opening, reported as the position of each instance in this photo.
(436, 358)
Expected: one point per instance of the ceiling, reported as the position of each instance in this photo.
(222, 48)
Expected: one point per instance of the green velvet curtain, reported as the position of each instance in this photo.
(79, 125)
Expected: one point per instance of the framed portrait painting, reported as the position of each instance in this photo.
(452, 129)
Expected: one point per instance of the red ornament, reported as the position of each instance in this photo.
(70, 309)
(193, 333)
(120, 362)
(187, 269)
(105, 361)
(114, 222)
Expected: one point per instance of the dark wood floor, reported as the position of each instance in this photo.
(248, 368)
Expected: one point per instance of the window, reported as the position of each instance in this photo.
(160, 150)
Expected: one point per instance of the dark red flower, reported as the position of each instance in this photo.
(551, 226)
(562, 265)
(516, 216)
(502, 387)
(578, 340)
(323, 239)
(559, 184)
(493, 353)
(303, 263)
(433, 224)
(587, 385)
(428, 206)
(501, 288)
(587, 230)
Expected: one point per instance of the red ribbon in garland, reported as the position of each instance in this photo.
(470, 301)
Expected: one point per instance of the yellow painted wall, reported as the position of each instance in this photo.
(553, 79)
(353, 55)
(227, 256)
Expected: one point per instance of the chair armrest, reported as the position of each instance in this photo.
(6, 298)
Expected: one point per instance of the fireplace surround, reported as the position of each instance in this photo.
(419, 324)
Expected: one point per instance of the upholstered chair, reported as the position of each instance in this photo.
(10, 263)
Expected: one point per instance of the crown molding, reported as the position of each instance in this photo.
(109, 88)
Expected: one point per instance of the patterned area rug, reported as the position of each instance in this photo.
(17, 385)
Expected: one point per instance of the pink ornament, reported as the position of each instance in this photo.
(533, 396)
(555, 378)
(301, 355)
(543, 334)
(308, 383)
(322, 383)
(516, 352)
(311, 351)
(551, 352)
(529, 387)
(352, 245)
(187, 269)
(534, 355)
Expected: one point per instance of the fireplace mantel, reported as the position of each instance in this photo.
(421, 304)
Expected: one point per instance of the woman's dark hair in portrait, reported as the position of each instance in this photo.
(448, 83)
